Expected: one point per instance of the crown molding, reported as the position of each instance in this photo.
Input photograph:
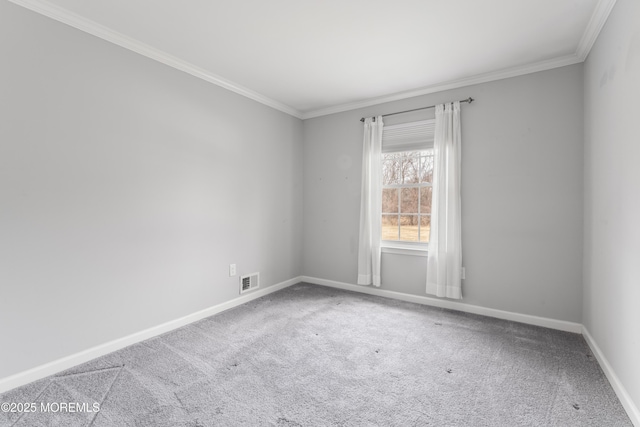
(597, 21)
(453, 84)
(66, 17)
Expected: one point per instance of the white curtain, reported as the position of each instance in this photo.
(444, 262)
(370, 204)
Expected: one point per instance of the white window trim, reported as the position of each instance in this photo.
(404, 248)
(412, 136)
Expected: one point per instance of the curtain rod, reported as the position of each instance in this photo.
(469, 100)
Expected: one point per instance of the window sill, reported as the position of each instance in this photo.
(404, 249)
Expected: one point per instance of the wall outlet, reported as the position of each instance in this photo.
(232, 270)
(463, 274)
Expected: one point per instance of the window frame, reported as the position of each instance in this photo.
(404, 138)
(405, 246)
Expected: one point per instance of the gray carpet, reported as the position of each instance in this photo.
(315, 356)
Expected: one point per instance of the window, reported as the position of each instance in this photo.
(407, 176)
(406, 195)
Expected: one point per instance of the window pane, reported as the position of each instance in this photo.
(389, 227)
(409, 200)
(426, 166)
(389, 200)
(425, 227)
(406, 208)
(409, 228)
(410, 167)
(391, 169)
(425, 199)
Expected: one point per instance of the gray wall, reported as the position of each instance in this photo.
(612, 194)
(522, 194)
(126, 189)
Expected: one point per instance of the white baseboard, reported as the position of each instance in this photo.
(621, 391)
(453, 305)
(67, 362)
(628, 404)
(64, 363)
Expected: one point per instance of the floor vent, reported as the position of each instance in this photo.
(249, 282)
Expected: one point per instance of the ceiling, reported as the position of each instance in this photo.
(314, 57)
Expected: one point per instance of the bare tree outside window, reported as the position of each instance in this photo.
(406, 195)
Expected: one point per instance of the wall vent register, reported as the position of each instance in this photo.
(249, 282)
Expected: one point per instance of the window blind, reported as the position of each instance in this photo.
(408, 136)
